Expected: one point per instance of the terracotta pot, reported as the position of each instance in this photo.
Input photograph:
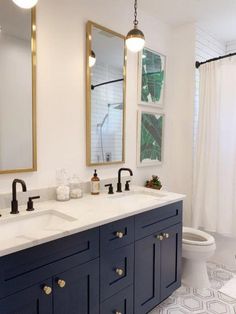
(154, 187)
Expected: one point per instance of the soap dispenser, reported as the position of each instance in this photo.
(95, 184)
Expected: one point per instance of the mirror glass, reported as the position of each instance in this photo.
(106, 63)
(17, 88)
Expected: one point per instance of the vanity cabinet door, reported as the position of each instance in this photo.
(171, 254)
(147, 274)
(33, 300)
(122, 302)
(76, 291)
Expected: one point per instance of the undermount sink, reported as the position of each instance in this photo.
(27, 225)
(138, 196)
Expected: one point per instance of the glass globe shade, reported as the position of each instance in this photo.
(135, 40)
(25, 4)
(135, 44)
(92, 61)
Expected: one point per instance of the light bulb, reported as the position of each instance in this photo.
(25, 4)
(135, 44)
(92, 59)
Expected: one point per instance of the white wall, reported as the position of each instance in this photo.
(180, 113)
(61, 93)
(15, 103)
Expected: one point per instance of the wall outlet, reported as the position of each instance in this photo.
(108, 157)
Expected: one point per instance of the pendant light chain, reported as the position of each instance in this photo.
(135, 39)
(135, 13)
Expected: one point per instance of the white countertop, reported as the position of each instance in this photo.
(85, 213)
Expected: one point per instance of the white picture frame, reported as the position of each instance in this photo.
(146, 155)
(155, 71)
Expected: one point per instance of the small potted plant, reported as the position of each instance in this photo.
(155, 183)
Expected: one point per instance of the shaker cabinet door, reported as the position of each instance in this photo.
(34, 300)
(171, 254)
(147, 274)
(76, 291)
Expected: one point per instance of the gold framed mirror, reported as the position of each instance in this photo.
(18, 149)
(106, 95)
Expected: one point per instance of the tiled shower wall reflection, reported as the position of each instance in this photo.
(107, 115)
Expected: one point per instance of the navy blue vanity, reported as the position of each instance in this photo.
(124, 267)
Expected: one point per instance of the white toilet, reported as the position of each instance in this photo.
(198, 247)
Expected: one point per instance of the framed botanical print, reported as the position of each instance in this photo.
(151, 78)
(150, 138)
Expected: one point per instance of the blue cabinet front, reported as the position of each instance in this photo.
(157, 268)
(116, 271)
(77, 291)
(122, 303)
(171, 255)
(138, 266)
(147, 274)
(33, 300)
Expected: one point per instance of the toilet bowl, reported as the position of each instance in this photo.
(198, 247)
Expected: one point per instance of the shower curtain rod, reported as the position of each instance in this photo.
(198, 64)
(105, 83)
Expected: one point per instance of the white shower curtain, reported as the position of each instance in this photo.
(214, 188)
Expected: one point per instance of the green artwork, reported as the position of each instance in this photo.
(151, 137)
(152, 78)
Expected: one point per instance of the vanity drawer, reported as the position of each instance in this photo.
(121, 302)
(117, 234)
(24, 268)
(116, 271)
(157, 219)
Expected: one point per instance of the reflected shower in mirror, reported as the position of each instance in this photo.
(17, 88)
(105, 95)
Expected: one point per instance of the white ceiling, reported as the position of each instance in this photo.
(216, 16)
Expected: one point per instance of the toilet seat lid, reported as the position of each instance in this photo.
(197, 237)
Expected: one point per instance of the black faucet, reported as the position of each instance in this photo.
(119, 189)
(14, 202)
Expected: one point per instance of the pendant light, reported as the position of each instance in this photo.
(135, 39)
(25, 4)
(92, 59)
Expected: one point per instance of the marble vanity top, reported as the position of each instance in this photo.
(53, 220)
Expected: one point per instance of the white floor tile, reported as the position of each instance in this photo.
(229, 289)
(205, 301)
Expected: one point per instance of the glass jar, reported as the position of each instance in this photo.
(62, 190)
(76, 187)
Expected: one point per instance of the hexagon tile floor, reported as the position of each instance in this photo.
(207, 301)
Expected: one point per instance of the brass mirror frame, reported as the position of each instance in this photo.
(89, 27)
(33, 65)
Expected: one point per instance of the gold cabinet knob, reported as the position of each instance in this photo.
(47, 290)
(119, 271)
(61, 283)
(160, 237)
(119, 234)
(166, 235)
(117, 312)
